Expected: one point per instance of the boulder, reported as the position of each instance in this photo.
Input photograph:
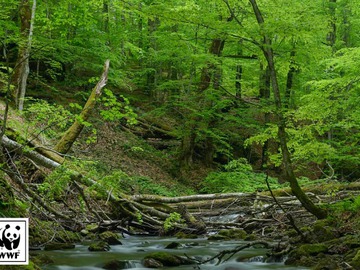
(99, 246)
(165, 259)
(110, 238)
(115, 265)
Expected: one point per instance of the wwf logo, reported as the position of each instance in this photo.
(10, 236)
(14, 234)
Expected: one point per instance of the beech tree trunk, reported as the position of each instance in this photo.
(65, 143)
(21, 71)
(290, 80)
(209, 74)
(289, 172)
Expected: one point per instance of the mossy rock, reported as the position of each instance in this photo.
(173, 245)
(58, 246)
(312, 249)
(166, 259)
(321, 231)
(110, 237)
(233, 234)
(304, 255)
(115, 265)
(99, 246)
(151, 263)
(327, 263)
(183, 235)
(251, 237)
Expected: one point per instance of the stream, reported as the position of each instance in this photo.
(134, 249)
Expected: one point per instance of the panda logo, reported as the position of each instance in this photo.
(10, 237)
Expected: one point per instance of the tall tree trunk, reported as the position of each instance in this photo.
(152, 76)
(332, 24)
(68, 139)
(209, 74)
(290, 79)
(238, 75)
(295, 187)
(27, 17)
(264, 91)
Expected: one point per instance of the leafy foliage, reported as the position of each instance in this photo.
(352, 205)
(49, 119)
(115, 110)
(173, 220)
(55, 184)
(237, 177)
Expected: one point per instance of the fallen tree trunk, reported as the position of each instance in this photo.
(191, 198)
(68, 139)
(253, 210)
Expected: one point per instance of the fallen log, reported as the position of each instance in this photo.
(191, 198)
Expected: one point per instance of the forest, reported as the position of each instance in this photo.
(164, 118)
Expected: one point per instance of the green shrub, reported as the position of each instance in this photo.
(351, 204)
(237, 177)
(173, 220)
(49, 119)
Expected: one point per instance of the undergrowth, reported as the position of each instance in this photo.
(237, 176)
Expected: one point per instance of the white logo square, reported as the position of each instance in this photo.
(14, 241)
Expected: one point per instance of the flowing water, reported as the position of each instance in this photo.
(134, 249)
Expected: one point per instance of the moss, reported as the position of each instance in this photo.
(355, 262)
(43, 232)
(30, 266)
(110, 238)
(182, 235)
(165, 258)
(233, 234)
(92, 227)
(173, 245)
(322, 231)
(326, 263)
(67, 236)
(352, 241)
(99, 246)
(42, 259)
(250, 237)
(312, 249)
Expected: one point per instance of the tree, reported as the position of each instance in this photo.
(266, 47)
(68, 139)
(27, 20)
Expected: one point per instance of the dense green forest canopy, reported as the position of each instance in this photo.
(196, 72)
(155, 116)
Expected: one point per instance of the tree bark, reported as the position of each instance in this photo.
(68, 139)
(295, 187)
(27, 17)
(290, 79)
(332, 25)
